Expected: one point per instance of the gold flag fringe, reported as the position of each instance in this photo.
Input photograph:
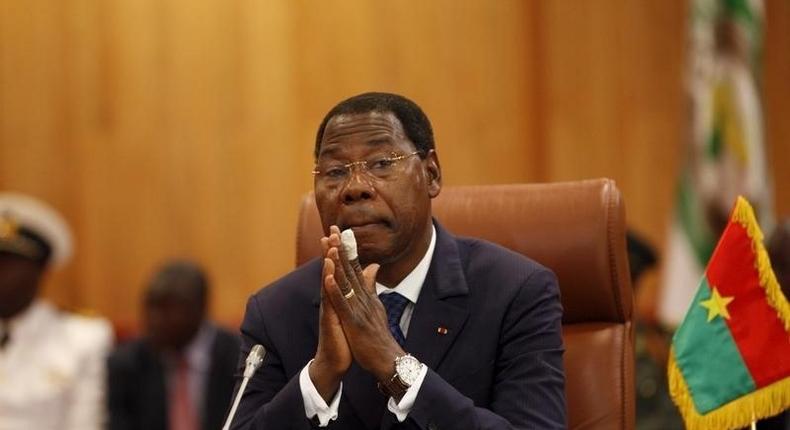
(744, 215)
(762, 403)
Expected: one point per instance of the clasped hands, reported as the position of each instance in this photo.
(353, 328)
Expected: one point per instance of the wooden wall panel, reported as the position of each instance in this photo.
(180, 128)
(612, 98)
(776, 99)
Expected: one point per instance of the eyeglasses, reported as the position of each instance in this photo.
(381, 167)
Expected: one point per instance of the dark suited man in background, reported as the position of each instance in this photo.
(180, 375)
(778, 247)
(456, 333)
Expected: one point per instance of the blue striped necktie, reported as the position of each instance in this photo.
(395, 304)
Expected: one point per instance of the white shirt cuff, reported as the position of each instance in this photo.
(402, 409)
(314, 404)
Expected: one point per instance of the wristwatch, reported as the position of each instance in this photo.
(407, 370)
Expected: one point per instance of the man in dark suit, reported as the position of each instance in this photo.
(424, 330)
(180, 375)
(779, 252)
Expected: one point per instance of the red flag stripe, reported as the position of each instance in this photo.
(732, 270)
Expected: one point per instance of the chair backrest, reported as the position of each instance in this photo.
(578, 230)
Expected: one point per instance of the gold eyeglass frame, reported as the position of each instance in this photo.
(363, 163)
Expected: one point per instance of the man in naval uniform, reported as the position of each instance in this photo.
(52, 363)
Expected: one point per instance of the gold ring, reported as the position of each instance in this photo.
(349, 294)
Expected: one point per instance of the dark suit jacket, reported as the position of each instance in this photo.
(137, 394)
(499, 365)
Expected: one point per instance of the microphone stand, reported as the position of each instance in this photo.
(253, 362)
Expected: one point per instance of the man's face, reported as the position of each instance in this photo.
(390, 217)
(19, 283)
(172, 322)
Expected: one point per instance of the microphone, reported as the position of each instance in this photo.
(253, 362)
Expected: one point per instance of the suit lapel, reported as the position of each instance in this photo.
(433, 328)
(442, 308)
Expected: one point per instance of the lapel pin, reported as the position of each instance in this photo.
(441, 330)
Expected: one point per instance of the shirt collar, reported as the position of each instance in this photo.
(411, 285)
(199, 351)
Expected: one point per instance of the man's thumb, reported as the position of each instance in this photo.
(370, 273)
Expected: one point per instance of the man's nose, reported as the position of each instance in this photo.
(359, 186)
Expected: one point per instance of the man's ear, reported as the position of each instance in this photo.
(434, 173)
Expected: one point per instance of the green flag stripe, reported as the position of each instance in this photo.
(708, 358)
(739, 9)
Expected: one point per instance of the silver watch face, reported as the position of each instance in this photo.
(408, 369)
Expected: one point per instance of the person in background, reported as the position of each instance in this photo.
(52, 373)
(180, 374)
(779, 252)
(778, 247)
(654, 407)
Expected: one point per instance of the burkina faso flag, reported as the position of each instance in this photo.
(730, 358)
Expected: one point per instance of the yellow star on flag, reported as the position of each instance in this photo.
(716, 305)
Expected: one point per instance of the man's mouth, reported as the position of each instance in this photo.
(358, 228)
(363, 226)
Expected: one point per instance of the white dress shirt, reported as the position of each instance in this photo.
(52, 371)
(409, 287)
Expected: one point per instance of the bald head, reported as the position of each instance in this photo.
(182, 281)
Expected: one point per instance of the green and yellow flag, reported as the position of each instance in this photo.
(730, 358)
(724, 146)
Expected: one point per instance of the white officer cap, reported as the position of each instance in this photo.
(33, 229)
